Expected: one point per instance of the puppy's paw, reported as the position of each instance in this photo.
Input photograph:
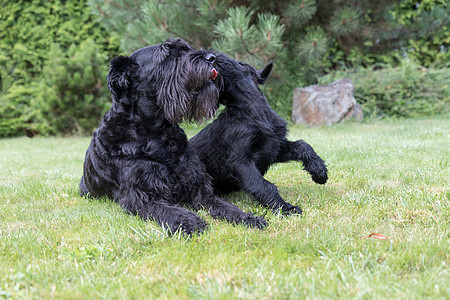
(287, 210)
(255, 221)
(319, 173)
(189, 226)
(320, 178)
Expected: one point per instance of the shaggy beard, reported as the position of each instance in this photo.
(206, 104)
(189, 95)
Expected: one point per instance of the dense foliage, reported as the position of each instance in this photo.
(27, 29)
(334, 32)
(306, 39)
(17, 117)
(73, 94)
(407, 90)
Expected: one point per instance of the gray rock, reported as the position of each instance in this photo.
(325, 104)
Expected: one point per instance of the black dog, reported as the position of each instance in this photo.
(248, 137)
(140, 157)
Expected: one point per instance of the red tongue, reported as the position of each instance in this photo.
(213, 74)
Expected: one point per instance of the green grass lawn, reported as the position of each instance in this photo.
(389, 177)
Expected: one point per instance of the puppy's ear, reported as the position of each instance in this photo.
(264, 73)
(121, 74)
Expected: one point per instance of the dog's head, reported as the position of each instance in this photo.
(182, 81)
(238, 75)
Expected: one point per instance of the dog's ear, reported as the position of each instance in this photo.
(121, 73)
(264, 73)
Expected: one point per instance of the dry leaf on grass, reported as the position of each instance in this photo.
(377, 236)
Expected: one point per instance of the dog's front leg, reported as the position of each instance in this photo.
(167, 215)
(200, 195)
(221, 209)
(302, 151)
(265, 192)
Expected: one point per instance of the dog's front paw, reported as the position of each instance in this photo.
(320, 178)
(189, 226)
(319, 173)
(255, 221)
(287, 210)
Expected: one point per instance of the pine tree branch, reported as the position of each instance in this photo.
(213, 7)
(244, 44)
(102, 12)
(165, 27)
(113, 3)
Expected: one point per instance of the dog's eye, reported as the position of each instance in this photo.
(168, 54)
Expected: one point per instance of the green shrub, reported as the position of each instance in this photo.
(27, 29)
(73, 94)
(406, 91)
(17, 117)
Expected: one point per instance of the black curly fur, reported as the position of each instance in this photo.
(140, 157)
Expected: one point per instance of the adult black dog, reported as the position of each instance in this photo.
(140, 157)
(248, 137)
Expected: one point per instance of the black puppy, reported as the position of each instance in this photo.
(248, 137)
(140, 157)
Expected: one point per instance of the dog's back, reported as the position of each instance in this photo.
(238, 135)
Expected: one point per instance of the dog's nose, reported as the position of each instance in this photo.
(210, 58)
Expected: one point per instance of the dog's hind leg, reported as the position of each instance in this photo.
(266, 193)
(221, 209)
(302, 151)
